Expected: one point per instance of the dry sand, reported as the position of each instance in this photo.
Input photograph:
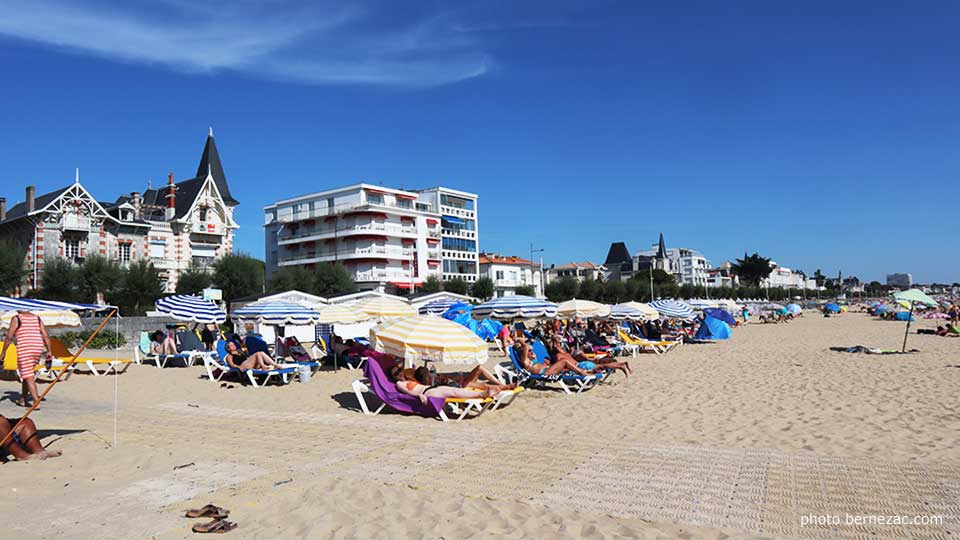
(734, 439)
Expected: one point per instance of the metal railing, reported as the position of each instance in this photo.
(324, 211)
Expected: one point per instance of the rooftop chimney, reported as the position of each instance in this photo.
(3, 208)
(136, 203)
(31, 204)
(171, 211)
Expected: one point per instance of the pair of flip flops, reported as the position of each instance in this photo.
(218, 525)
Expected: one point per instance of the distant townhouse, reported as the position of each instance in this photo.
(688, 266)
(174, 226)
(584, 270)
(389, 239)
(509, 273)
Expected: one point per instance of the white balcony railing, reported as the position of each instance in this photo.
(316, 233)
(323, 211)
(75, 222)
(330, 255)
(457, 212)
(460, 233)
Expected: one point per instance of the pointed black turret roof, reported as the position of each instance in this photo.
(617, 254)
(662, 248)
(210, 162)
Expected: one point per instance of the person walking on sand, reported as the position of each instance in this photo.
(31, 337)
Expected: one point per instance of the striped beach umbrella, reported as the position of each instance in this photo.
(515, 307)
(622, 311)
(700, 303)
(438, 306)
(184, 307)
(277, 314)
(649, 313)
(53, 314)
(674, 309)
(418, 339)
(340, 314)
(582, 308)
(386, 307)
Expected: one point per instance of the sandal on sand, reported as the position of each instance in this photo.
(209, 511)
(217, 526)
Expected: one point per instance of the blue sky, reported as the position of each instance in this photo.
(822, 135)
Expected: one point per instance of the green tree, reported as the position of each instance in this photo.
(456, 285)
(289, 278)
(12, 269)
(482, 288)
(614, 292)
(98, 275)
(333, 279)
(752, 269)
(193, 280)
(588, 290)
(238, 275)
(526, 290)
(819, 278)
(432, 284)
(140, 287)
(664, 285)
(59, 280)
(562, 289)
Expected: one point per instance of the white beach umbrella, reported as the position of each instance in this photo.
(582, 308)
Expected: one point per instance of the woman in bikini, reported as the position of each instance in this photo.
(423, 391)
(557, 351)
(243, 362)
(31, 336)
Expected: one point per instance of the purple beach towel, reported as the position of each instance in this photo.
(375, 370)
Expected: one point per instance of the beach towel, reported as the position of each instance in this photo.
(868, 350)
(375, 370)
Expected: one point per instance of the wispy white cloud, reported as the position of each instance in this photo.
(338, 42)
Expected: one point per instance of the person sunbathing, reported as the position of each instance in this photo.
(413, 387)
(239, 360)
(162, 343)
(479, 378)
(25, 442)
(537, 366)
(594, 365)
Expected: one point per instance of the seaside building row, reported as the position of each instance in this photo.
(174, 226)
(389, 239)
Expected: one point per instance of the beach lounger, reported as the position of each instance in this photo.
(658, 347)
(61, 353)
(571, 383)
(217, 367)
(142, 354)
(380, 385)
(256, 344)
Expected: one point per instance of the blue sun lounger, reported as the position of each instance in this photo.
(571, 383)
(257, 344)
(217, 367)
(142, 354)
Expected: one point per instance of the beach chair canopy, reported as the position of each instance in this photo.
(713, 329)
(429, 338)
(515, 307)
(190, 308)
(674, 309)
(277, 314)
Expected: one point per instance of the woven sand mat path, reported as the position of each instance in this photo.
(756, 491)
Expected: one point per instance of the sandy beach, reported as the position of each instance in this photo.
(735, 439)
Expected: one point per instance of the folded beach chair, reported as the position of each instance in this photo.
(217, 367)
(142, 354)
(658, 347)
(565, 380)
(379, 384)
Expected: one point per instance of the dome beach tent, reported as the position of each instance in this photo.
(712, 329)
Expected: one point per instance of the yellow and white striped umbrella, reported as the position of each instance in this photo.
(387, 308)
(339, 314)
(51, 319)
(650, 313)
(582, 308)
(417, 339)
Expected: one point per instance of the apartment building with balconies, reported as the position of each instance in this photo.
(387, 238)
(460, 231)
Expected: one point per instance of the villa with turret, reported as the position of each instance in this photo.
(174, 226)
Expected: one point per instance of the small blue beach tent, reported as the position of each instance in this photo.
(713, 329)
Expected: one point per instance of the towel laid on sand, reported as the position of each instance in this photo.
(869, 350)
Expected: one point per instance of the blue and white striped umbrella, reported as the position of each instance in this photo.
(620, 312)
(515, 307)
(37, 306)
(673, 309)
(277, 314)
(184, 307)
(438, 306)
